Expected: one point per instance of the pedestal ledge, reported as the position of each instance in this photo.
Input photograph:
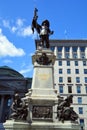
(20, 125)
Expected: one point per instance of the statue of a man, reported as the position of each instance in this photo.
(64, 111)
(43, 30)
(19, 109)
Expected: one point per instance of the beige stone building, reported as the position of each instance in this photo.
(70, 73)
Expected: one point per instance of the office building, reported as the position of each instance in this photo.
(70, 73)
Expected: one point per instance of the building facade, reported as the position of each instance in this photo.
(70, 73)
(11, 82)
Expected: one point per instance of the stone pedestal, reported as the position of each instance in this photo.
(18, 125)
(42, 95)
(43, 80)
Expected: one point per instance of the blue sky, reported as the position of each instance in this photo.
(68, 19)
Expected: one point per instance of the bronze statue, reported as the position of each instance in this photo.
(43, 30)
(43, 60)
(64, 111)
(19, 108)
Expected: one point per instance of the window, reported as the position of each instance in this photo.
(75, 55)
(79, 100)
(60, 71)
(60, 79)
(76, 63)
(84, 63)
(68, 63)
(67, 55)
(74, 52)
(69, 89)
(82, 49)
(69, 79)
(82, 55)
(74, 49)
(77, 71)
(60, 89)
(59, 49)
(85, 79)
(77, 79)
(0, 100)
(78, 89)
(86, 89)
(67, 49)
(81, 122)
(52, 48)
(59, 55)
(60, 63)
(68, 71)
(80, 110)
(85, 71)
(9, 102)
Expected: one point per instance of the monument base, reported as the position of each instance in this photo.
(37, 125)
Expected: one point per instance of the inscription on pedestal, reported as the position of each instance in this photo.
(43, 76)
(42, 112)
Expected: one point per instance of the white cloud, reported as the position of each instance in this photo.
(13, 29)
(31, 54)
(6, 23)
(26, 69)
(19, 22)
(7, 48)
(18, 27)
(25, 31)
(7, 61)
(23, 64)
